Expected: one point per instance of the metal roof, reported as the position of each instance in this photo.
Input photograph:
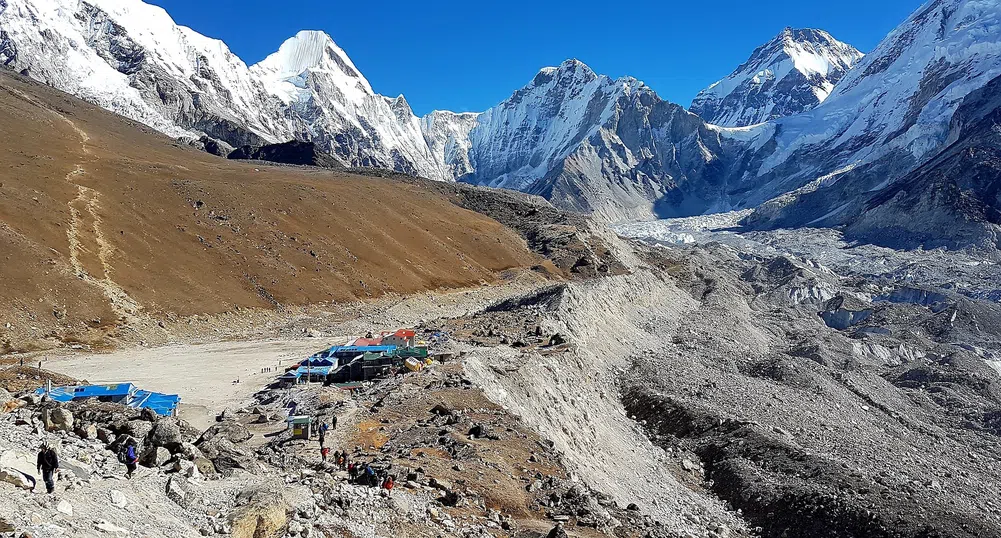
(125, 393)
(70, 393)
(314, 370)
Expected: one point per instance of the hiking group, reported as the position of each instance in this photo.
(362, 474)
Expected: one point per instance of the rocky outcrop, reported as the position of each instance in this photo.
(292, 152)
(264, 513)
(16, 478)
(57, 419)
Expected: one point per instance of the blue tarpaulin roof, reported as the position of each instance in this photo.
(161, 404)
(314, 370)
(67, 394)
(124, 393)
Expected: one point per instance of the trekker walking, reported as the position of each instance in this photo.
(388, 485)
(370, 475)
(323, 434)
(48, 463)
(323, 453)
(333, 422)
(129, 455)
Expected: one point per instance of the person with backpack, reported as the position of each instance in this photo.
(370, 476)
(128, 454)
(47, 464)
(323, 453)
(388, 485)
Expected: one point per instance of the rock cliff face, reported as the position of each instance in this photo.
(792, 73)
(588, 143)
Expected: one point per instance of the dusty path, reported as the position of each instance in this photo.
(202, 374)
(84, 233)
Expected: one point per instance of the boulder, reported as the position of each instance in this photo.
(450, 498)
(154, 456)
(231, 430)
(166, 433)
(148, 415)
(74, 467)
(87, 431)
(12, 405)
(118, 499)
(263, 513)
(225, 455)
(179, 490)
(482, 431)
(105, 435)
(16, 478)
(192, 472)
(64, 507)
(204, 465)
(188, 451)
(57, 419)
(138, 428)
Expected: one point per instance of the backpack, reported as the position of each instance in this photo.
(121, 454)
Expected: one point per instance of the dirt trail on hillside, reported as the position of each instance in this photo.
(110, 229)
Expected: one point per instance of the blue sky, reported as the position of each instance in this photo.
(468, 56)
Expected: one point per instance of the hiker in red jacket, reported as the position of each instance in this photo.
(388, 485)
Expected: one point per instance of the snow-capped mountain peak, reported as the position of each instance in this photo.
(284, 71)
(793, 72)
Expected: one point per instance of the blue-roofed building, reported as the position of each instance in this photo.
(123, 393)
(115, 392)
(161, 404)
(345, 354)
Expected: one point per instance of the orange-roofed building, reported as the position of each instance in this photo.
(400, 338)
(377, 341)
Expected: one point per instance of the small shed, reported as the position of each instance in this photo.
(300, 425)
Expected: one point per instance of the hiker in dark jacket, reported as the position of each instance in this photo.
(48, 462)
(333, 422)
(130, 458)
(370, 477)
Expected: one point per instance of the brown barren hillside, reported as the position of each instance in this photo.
(104, 222)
